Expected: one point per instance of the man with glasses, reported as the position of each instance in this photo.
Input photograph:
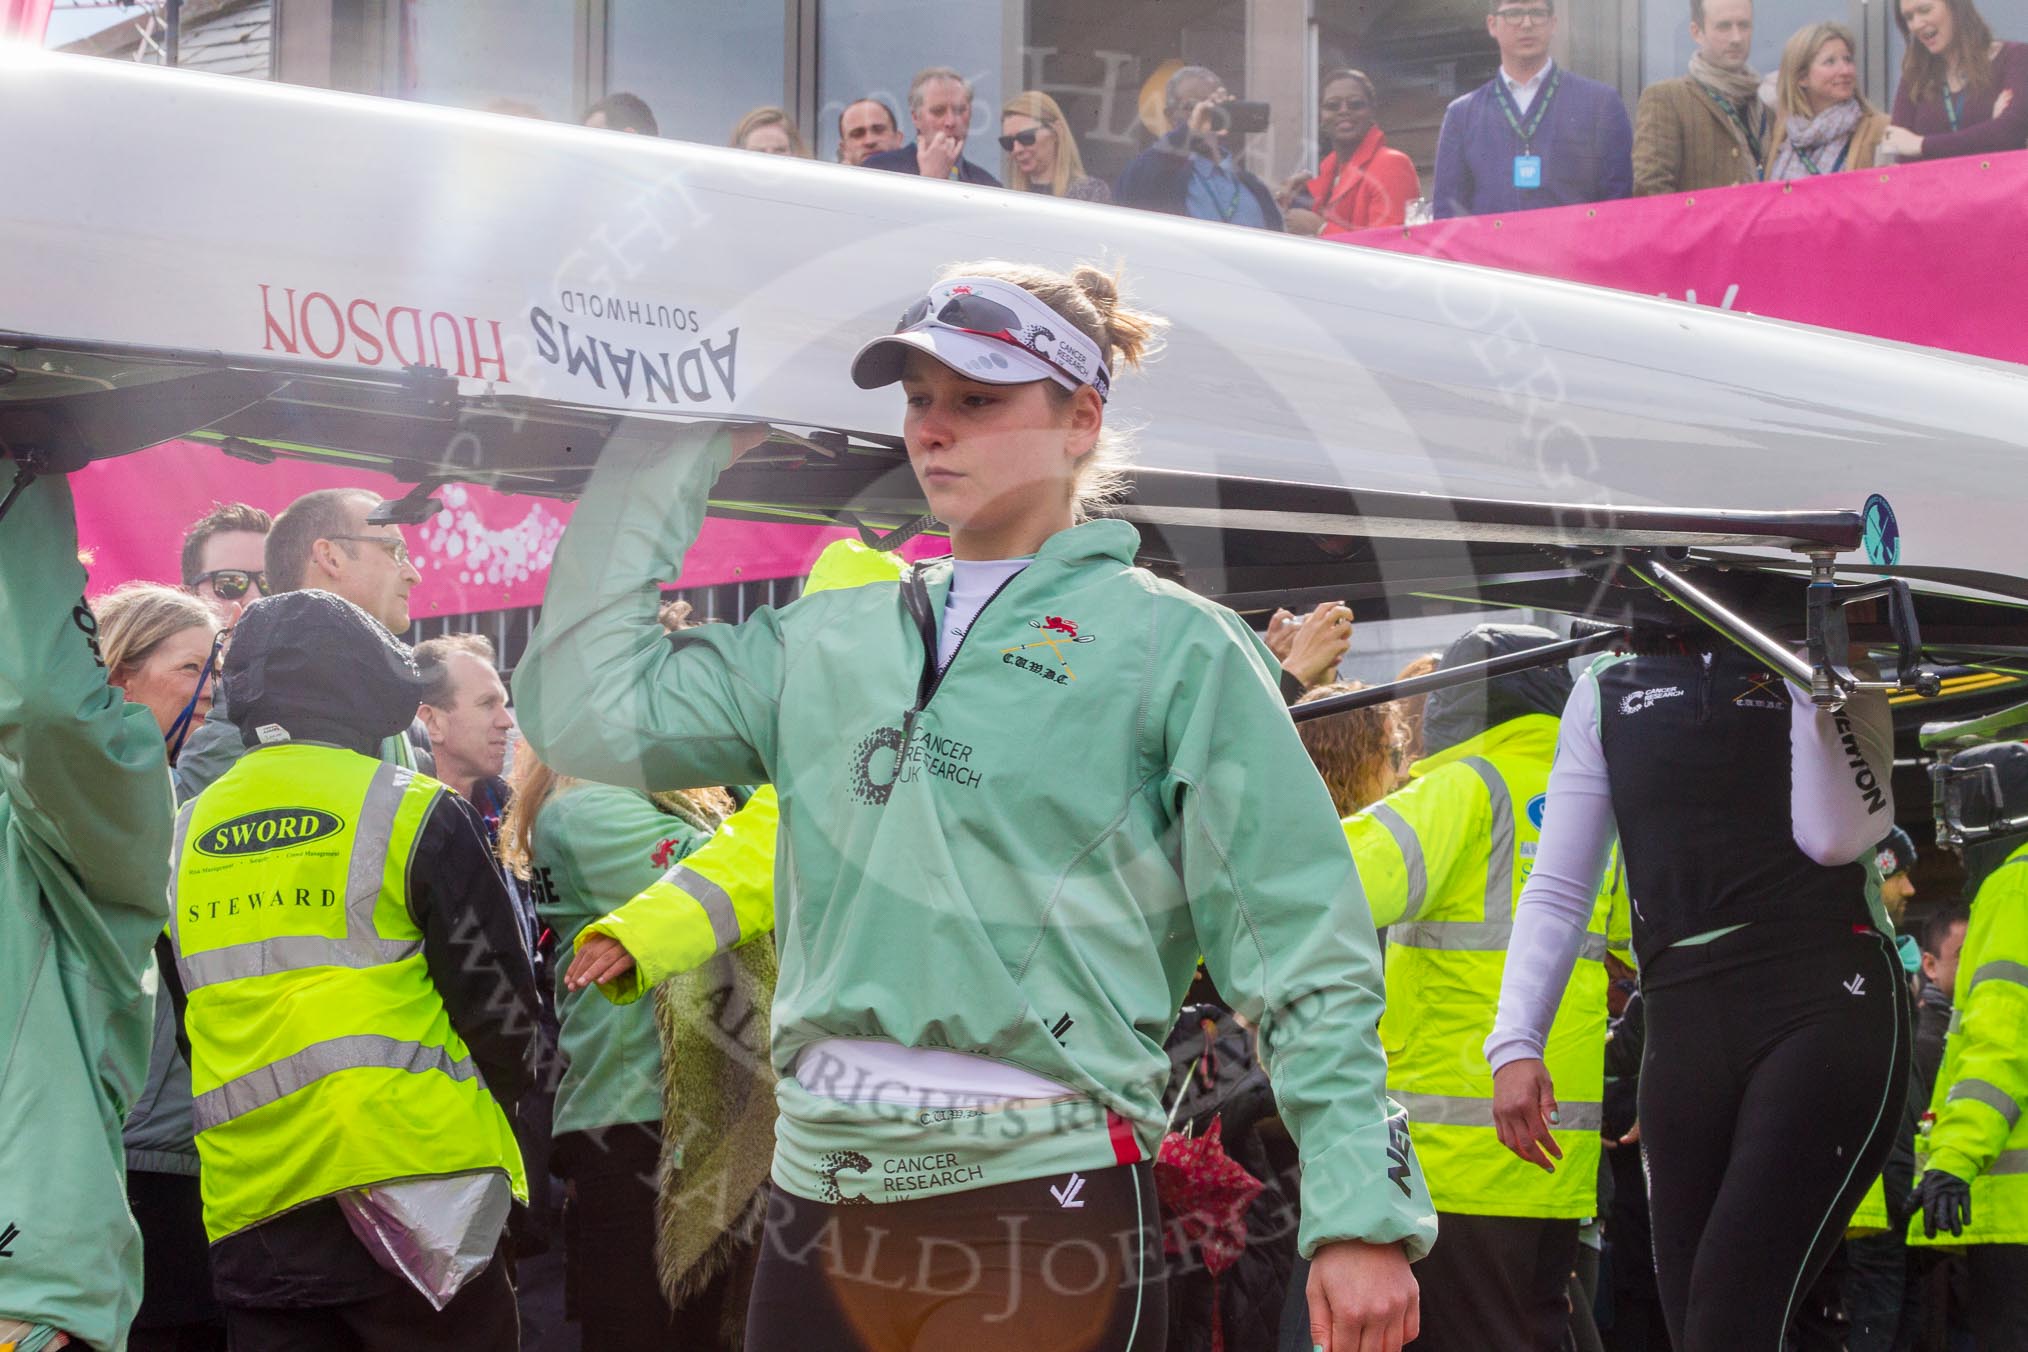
(1535, 135)
(1191, 171)
(223, 555)
(321, 542)
(940, 102)
(1707, 129)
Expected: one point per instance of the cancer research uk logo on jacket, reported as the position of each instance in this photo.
(270, 829)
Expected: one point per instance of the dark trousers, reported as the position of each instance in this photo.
(1997, 1280)
(481, 1318)
(1496, 1284)
(177, 1312)
(613, 1291)
(1771, 1089)
(1883, 1300)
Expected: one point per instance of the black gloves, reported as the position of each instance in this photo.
(1945, 1201)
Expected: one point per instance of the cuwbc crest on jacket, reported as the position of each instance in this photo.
(322, 1056)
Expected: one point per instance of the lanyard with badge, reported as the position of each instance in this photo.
(1746, 128)
(1836, 164)
(1528, 164)
(1226, 208)
(1954, 106)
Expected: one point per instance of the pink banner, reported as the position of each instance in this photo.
(25, 19)
(1921, 253)
(484, 551)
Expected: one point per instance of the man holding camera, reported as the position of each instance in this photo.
(1191, 172)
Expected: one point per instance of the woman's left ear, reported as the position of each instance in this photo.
(1087, 417)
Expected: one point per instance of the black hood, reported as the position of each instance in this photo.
(2010, 767)
(322, 670)
(1462, 712)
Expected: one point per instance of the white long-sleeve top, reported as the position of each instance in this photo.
(1833, 824)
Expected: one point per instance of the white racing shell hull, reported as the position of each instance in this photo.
(200, 213)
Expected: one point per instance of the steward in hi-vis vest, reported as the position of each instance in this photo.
(1973, 1192)
(1443, 861)
(358, 1004)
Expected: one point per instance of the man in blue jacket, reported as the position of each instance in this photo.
(1535, 135)
(1191, 171)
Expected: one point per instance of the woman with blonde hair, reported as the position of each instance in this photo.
(1042, 155)
(770, 131)
(1825, 124)
(158, 646)
(1022, 789)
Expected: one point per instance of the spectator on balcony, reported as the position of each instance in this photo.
(622, 112)
(940, 104)
(866, 127)
(1961, 92)
(1707, 129)
(1042, 154)
(1190, 171)
(1535, 135)
(1826, 123)
(1363, 181)
(771, 131)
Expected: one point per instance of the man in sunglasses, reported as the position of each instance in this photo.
(224, 552)
(323, 541)
(1535, 135)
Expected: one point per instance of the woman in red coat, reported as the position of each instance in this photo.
(1362, 182)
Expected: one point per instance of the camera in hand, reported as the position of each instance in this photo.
(1245, 117)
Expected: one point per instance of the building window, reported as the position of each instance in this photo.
(1106, 65)
(700, 64)
(518, 56)
(859, 56)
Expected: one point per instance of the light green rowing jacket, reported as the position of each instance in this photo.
(1020, 860)
(85, 819)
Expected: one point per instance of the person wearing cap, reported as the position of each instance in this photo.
(356, 1002)
(1894, 860)
(1973, 1192)
(1022, 789)
(1443, 862)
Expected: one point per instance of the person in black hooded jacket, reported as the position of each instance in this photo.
(308, 667)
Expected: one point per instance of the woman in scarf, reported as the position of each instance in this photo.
(1363, 181)
(1826, 124)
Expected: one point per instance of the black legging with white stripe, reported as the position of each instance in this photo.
(1771, 1089)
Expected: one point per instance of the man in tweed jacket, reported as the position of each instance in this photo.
(1707, 129)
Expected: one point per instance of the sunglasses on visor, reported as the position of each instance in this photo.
(975, 314)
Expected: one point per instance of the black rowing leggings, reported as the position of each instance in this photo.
(1772, 1085)
(1070, 1263)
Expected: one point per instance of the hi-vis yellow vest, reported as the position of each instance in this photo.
(321, 1056)
(1442, 862)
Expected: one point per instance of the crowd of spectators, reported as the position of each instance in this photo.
(582, 1080)
(1536, 135)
